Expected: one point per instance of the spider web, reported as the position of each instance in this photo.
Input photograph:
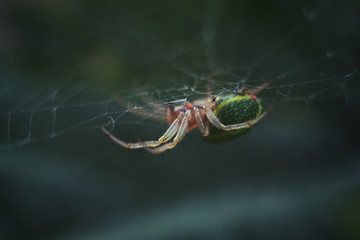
(211, 64)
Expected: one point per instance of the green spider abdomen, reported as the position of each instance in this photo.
(232, 110)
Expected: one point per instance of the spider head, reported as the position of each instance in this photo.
(188, 105)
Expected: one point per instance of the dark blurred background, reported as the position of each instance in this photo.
(294, 176)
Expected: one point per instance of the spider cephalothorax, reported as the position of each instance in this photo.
(218, 118)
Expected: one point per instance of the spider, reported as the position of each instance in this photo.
(218, 118)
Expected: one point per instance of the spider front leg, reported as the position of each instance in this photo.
(179, 136)
(204, 129)
(170, 132)
(216, 122)
(140, 111)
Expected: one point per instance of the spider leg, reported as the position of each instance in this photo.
(170, 132)
(216, 122)
(146, 99)
(179, 136)
(258, 89)
(140, 111)
(152, 102)
(202, 128)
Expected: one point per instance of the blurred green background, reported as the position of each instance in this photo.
(294, 176)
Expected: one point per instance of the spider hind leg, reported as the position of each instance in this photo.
(261, 87)
(216, 122)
